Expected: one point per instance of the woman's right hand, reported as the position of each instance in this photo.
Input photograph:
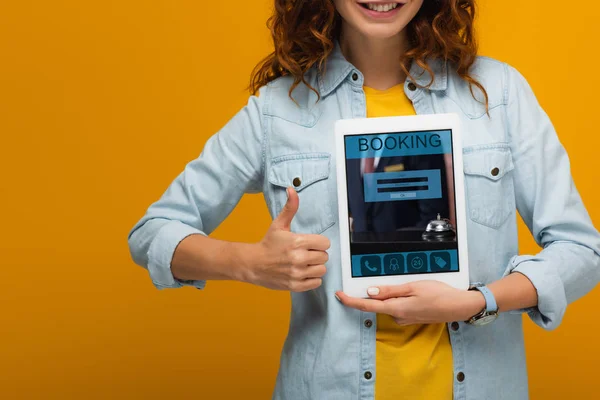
(287, 260)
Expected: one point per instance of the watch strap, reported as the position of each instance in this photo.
(490, 300)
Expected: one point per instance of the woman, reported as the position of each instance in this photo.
(352, 58)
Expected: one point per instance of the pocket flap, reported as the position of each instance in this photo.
(299, 170)
(492, 163)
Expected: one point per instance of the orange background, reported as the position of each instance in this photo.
(102, 103)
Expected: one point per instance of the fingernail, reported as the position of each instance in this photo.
(373, 291)
(338, 298)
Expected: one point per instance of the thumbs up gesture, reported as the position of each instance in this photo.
(293, 262)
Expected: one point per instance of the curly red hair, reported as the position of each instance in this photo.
(304, 32)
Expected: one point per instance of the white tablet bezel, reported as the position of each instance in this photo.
(357, 287)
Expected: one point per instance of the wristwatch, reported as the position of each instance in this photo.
(489, 313)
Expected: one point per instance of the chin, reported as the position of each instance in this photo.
(378, 26)
(380, 32)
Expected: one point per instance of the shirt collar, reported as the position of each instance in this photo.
(337, 68)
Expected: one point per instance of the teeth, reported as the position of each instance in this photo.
(380, 7)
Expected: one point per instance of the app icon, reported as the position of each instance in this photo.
(416, 262)
(440, 261)
(370, 265)
(393, 264)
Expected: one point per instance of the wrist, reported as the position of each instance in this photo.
(245, 257)
(475, 303)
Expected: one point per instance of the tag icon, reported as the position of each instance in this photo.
(440, 261)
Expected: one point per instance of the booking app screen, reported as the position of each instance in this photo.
(398, 183)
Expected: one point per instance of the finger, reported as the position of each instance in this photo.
(401, 322)
(367, 305)
(306, 285)
(313, 242)
(314, 271)
(285, 217)
(386, 292)
(317, 257)
(408, 322)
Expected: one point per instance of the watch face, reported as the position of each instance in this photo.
(486, 319)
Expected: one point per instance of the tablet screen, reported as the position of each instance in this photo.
(398, 185)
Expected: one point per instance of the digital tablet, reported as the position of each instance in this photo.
(401, 201)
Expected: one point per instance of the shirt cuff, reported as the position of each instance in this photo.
(552, 301)
(161, 252)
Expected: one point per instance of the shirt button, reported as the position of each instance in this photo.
(297, 182)
(368, 375)
(460, 376)
(368, 323)
(495, 172)
(412, 87)
(355, 77)
(454, 326)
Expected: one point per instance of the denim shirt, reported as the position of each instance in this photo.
(329, 348)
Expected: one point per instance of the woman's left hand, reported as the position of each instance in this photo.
(421, 302)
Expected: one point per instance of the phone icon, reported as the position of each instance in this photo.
(370, 265)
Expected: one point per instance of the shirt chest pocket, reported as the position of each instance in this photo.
(489, 184)
(309, 175)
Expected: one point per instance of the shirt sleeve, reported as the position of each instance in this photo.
(202, 196)
(568, 267)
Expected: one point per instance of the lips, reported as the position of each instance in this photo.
(380, 7)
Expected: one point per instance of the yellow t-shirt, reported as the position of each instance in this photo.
(412, 362)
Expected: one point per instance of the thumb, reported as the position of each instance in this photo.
(285, 217)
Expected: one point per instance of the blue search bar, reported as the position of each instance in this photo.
(404, 185)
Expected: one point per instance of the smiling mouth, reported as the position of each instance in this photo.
(380, 7)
